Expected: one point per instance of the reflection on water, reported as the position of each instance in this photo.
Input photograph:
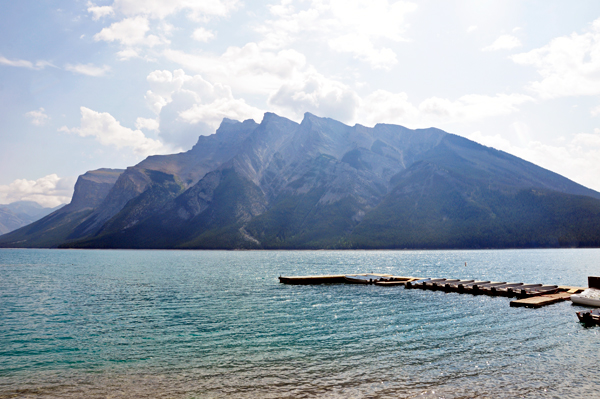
(184, 324)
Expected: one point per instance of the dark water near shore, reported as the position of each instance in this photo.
(215, 324)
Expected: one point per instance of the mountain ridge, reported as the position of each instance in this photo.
(323, 184)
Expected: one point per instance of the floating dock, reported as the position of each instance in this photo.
(372, 278)
(541, 300)
(528, 295)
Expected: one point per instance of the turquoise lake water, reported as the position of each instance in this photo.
(218, 324)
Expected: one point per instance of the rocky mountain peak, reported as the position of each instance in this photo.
(323, 184)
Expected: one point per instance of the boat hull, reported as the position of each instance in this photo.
(581, 300)
(589, 297)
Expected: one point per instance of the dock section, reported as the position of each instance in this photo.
(305, 280)
(541, 300)
(361, 278)
(528, 295)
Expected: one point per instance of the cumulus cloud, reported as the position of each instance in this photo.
(568, 65)
(290, 85)
(130, 32)
(88, 69)
(316, 94)
(196, 10)
(386, 107)
(38, 117)
(382, 106)
(248, 69)
(365, 50)
(147, 123)
(49, 191)
(471, 28)
(364, 23)
(202, 35)
(144, 24)
(127, 54)
(189, 105)
(504, 42)
(99, 11)
(24, 63)
(108, 131)
(473, 106)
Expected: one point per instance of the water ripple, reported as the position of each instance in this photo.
(185, 324)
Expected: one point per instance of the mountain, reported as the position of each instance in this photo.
(91, 189)
(21, 213)
(323, 184)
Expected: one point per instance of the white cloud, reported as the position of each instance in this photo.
(147, 123)
(130, 32)
(140, 27)
(471, 28)
(25, 63)
(38, 117)
(202, 35)
(212, 113)
(595, 111)
(316, 94)
(190, 105)
(162, 85)
(383, 106)
(504, 42)
(576, 158)
(472, 106)
(568, 65)
(196, 10)
(99, 11)
(88, 69)
(127, 54)
(49, 191)
(108, 131)
(248, 69)
(16, 63)
(362, 22)
(365, 50)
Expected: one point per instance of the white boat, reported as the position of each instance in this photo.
(589, 297)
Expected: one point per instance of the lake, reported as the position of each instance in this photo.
(218, 324)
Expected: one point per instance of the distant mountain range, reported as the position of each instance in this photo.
(322, 184)
(21, 213)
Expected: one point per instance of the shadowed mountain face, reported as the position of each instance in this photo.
(322, 184)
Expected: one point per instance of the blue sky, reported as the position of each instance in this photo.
(91, 84)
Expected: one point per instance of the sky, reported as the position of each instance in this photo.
(103, 84)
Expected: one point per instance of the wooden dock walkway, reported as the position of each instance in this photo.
(541, 300)
(326, 279)
(528, 295)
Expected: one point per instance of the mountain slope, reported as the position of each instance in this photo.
(323, 184)
(433, 207)
(90, 190)
(187, 167)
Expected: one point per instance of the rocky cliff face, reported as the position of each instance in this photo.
(92, 188)
(323, 184)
